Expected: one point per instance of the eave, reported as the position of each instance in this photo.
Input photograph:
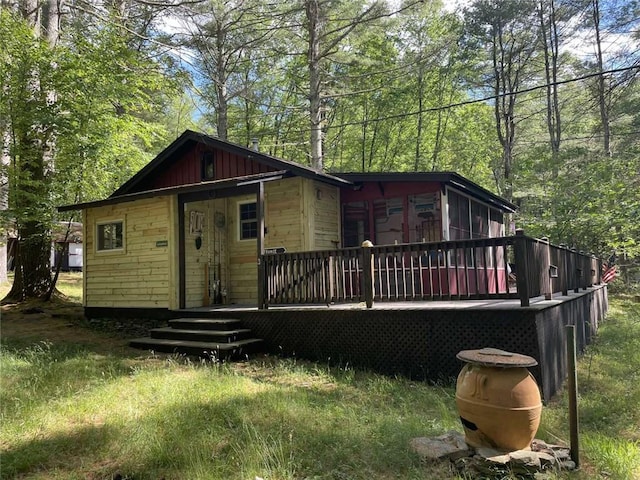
(226, 183)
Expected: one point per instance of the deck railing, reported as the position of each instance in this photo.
(489, 268)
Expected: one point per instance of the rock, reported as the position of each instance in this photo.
(450, 446)
(546, 459)
(488, 467)
(525, 458)
(492, 454)
(567, 465)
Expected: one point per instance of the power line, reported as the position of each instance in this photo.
(491, 97)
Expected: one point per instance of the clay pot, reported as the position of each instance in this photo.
(499, 406)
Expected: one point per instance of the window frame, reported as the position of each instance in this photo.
(208, 158)
(99, 239)
(242, 222)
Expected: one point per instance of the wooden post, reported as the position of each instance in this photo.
(573, 394)
(367, 272)
(577, 272)
(564, 261)
(547, 286)
(522, 271)
(262, 300)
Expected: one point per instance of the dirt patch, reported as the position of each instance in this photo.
(56, 322)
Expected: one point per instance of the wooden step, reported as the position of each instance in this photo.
(219, 350)
(205, 323)
(219, 336)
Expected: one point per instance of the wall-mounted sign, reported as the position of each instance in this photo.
(196, 222)
(275, 250)
(162, 243)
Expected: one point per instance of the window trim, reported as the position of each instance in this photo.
(241, 222)
(97, 235)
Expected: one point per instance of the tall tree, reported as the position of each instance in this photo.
(65, 119)
(225, 35)
(324, 37)
(502, 27)
(31, 98)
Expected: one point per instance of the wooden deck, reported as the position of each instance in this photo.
(536, 303)
(420, 339)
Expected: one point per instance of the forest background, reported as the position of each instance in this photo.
(537, 100)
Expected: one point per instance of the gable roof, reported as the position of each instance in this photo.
(451, 179)
(189, 138)
(134, 188)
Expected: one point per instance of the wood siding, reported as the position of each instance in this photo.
(139, 274)
(323, 202)
(187, 168)
(288, 225)
(243, 257)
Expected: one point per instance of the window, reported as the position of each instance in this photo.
(110, 236)
(248, 214)
(208, 166)
(459, 225)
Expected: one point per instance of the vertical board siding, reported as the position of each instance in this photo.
(137, 275)
(186, 169)
(196, 259)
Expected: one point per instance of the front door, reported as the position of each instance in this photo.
(205, 253)
(218, 254)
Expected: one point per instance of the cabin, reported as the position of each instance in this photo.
(383, 270)
(188, 229)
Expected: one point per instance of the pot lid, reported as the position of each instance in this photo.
(493, 357)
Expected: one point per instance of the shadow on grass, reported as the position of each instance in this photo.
(63, 451)
(263, 430)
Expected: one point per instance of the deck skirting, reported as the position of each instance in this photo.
(418, 340)
(422, 343)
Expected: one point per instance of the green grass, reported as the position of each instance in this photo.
(67, 412)
(609, 396)
(69, 284)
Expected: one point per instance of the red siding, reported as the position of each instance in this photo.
(187, 168)
(376, 190)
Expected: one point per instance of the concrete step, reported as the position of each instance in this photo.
(218, 336)
(219, 350)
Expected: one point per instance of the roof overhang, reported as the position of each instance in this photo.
(451, 179)
(215, 185)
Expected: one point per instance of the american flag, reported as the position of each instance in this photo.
(609, 273)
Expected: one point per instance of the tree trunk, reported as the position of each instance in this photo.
(34, 143)
(315, 28)
(417, 161)
(602, 97)
(549, 36)
(222, 110)
(32, 273)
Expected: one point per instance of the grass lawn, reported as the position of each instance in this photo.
(79, 404)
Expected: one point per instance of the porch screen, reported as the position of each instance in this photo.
(469, 219)
(355, 228)
(424, 218)
(388, 216)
